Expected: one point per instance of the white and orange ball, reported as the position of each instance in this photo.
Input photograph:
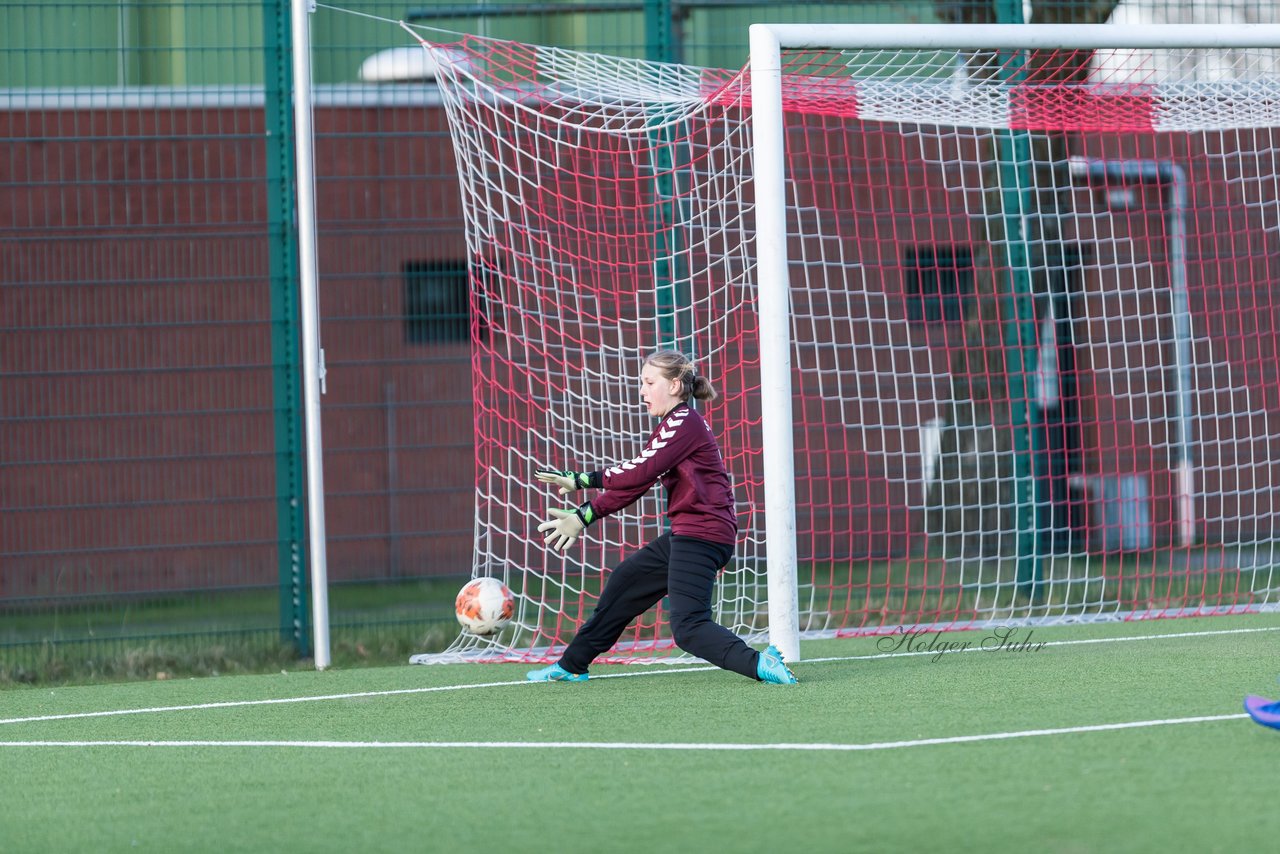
(484, 605)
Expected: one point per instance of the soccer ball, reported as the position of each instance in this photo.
(484, 605)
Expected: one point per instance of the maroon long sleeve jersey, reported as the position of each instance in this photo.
(682, 453)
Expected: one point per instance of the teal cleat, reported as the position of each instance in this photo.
(554, 673)
(771, 669)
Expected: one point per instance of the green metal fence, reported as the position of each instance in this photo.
(151, 476)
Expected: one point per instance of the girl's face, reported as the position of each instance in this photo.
(660, 394)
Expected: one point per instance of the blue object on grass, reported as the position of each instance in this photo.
(771, 668)
(554, 673)
(1263, 711)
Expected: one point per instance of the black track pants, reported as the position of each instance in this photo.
(683, 569)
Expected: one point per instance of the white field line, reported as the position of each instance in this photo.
(230, 704)
(637, 745)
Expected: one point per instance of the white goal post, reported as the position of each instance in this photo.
(771, 241)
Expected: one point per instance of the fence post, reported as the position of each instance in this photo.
(291, 529)
(659, 44)
(1019, 338)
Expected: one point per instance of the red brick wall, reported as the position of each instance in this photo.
(137, 385)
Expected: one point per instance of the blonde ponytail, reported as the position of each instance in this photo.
(676, 366)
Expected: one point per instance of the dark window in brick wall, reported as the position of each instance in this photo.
(936, 281)
(436, 302)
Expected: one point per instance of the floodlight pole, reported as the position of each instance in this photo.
(312, 355)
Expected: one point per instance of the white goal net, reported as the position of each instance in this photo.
(1033, 293)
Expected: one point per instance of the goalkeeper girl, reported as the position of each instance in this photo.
(681, 564)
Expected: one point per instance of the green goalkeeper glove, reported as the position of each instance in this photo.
(568, 481)
(564, 526)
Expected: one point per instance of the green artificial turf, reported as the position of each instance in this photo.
(1184, 786)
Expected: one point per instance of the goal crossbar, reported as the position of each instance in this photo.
(1017, 36)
